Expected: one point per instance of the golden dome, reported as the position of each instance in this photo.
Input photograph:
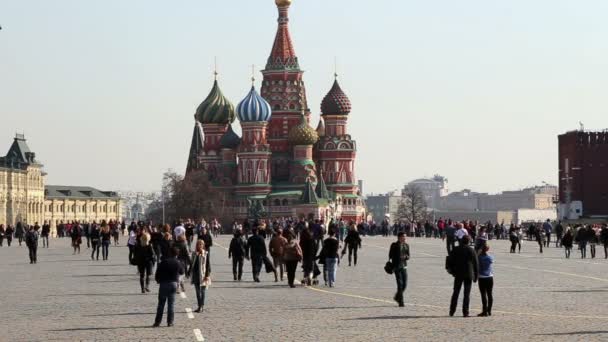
(302, 134)
(282, 3)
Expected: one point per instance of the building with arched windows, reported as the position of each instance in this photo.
(280, 161)
(25, 198)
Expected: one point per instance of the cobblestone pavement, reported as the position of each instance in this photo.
(538, 297)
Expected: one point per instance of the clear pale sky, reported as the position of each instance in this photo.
(475, 90)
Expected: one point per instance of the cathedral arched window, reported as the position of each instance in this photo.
(285, 202)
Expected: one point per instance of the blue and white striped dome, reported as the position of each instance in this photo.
(253, 108)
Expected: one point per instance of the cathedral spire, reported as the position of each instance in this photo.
(283, 55)
(196, 148)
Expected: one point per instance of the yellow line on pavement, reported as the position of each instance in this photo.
(555, 272)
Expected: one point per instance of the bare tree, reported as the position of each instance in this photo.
(413, 206)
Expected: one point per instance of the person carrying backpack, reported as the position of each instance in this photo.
(31, 241)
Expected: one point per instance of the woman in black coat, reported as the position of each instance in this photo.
(353, 242)
(144, 259)
(307, 244)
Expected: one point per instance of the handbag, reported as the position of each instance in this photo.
(388, 267)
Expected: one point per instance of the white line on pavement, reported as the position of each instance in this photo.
(183, 295)
(199, 335)
(189, 313)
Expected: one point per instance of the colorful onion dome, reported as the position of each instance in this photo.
(302, 134)
(253, 108)
(282, 3)
(335, 102)
(216, 109)
(230, 139)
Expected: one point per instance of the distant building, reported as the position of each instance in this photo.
(583, 185)
(21, 185)
(80, 203)
(540, 197)
(433, 189)
(381, 206)
(24, 197)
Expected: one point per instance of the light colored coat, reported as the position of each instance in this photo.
(202, 268)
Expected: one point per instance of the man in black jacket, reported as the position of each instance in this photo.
(237, 251)
(399, 254)
(463, 265)
(167, 276)
(256, 251)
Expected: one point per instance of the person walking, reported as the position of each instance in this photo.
(131, 242)
(399, 254)
(539, 234)
(44, 234)
(463, 265)
(353, 243)
(486, 281)
(95, 236)
(450, 237)
(548, 228)
(237, 251)
(145, 259)
(567, 242)
(19, 233)
(200, 271)
(31, 241)
(559, 234)
(76, 235)
(292, 255)
(8, 234)
(331, 245)
(604, 239)
(2, 233)
(106, 240)
(276, 249)
(592, 237)
(256, 251)
(165, 245)
(167, 276)
(581, 238)
(183, 256)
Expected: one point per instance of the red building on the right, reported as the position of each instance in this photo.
(583, 183)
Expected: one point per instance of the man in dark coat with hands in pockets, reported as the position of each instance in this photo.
(463, 265)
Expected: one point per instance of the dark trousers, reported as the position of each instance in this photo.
(513, 246)
(606, 250)
(200, 294)
(352, 250)
(1, 240)
(237, 268)
(558, 240)
(145, 270)
(401, 278)
(450, 243)
(45, 241)
(548, 239)
(568, 250)
(291, 266)
(33, 253)
(485, 288)
(20, 240)
(467, 294)
(9, 239)
(131, 253)
(95, 249)
(88, 242)
(583, 246)
(105, 250)
(256, 266)
(166, 294)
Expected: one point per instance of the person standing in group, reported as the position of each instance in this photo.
(604, 239)
(581, 238)
(276, 249)
(165, 244)
(292, 255)
(486, 281)
(76, 235)
(237, 251)
(167, 276)
(399, 254)
(307, 246)
(179, 230)
(19, 233)
(461, 232)
(95, 237)
(200, 271)
(256, 251)
(106, 240)
(144, 258)
(31, 241)
(462, 264)
(559, 233)
(331, 245)
(593, 239)
(353, 243)
(8, 235)
(567, 242)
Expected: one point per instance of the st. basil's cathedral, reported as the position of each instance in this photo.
(280, 161)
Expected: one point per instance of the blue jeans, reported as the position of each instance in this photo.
(200, 294)
(166, 293)
(330, 264)
(105, 249)
(401, 278)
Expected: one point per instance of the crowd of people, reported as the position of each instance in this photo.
(280, 245)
